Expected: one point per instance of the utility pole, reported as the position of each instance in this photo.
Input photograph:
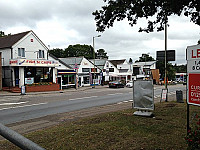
(166, 57)
(94, 56)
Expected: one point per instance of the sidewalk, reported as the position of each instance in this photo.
(6, 93)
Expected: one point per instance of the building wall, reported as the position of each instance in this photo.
(5, 55)
(32, 45)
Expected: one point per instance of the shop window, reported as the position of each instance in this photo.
(111, 69)
(41, 53)
(21, 52)
(68, 79)
(86, 80)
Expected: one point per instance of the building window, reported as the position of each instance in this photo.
(41, 53)
(111, 69)
(85, 69)
(21, 52)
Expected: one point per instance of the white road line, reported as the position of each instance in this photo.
(116, 94)
(131, 100)
(23, 106)
(82, 98)
(14, 103)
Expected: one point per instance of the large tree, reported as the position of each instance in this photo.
(101, 54)
(2, 33)
(79, 50)
(135, 9)
(145, 58)
(57, 52)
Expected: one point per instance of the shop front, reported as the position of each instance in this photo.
(67, 78)
(33, 72)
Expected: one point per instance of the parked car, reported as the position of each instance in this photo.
(129, 84)
(116, 84)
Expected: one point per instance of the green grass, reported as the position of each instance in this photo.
(118, 131)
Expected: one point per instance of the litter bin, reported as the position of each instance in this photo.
(179, 96)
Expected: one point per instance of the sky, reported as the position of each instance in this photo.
(60, 23)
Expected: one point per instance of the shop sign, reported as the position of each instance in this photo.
(193, 69)
(29, 80)
(32, 62)
(194, 89)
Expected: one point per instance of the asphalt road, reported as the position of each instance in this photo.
(20, 108)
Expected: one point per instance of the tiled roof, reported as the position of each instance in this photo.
(117, 62)
(10, 40)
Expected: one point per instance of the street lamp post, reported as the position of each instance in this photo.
(94, 56)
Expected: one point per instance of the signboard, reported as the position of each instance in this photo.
(143, 95)
(33, 62)
(194, 89)
(164, 95)
(160, 55)
(193, 69)
(29, 80)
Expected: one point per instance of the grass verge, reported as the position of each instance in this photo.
(118, 130)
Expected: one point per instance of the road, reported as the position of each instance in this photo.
(19, 108)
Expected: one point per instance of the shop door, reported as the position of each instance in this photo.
(17, 76)
(59, 82)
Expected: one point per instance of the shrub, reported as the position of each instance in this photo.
(193, 136)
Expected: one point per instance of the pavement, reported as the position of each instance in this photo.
(6, 93)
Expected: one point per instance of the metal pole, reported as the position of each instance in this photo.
(18, 139)
(166, 57)
(94, 57)
(94, 61)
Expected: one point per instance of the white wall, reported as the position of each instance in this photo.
(31, 48)
(6, 55)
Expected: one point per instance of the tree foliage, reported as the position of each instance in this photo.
(101, 54)
(117, 10)
(59, 53)
(2, 33)
(145, 58)
(79, 50)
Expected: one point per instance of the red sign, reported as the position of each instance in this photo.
(194, 89)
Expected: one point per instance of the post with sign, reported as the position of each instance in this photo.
(193, 82)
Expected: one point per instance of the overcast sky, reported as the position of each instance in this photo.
(60, 23)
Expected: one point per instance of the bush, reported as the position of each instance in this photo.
(193, 137)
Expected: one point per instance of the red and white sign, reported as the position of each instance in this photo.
(31, 62)
(194, 89)
(193, 69)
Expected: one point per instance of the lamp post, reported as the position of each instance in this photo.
(94, 56)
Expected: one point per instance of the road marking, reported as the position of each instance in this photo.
(14, 103)
(116, 94)
(23, 106)
(82, 98)
(125, 101)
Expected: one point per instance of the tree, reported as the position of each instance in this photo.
(79, 50)
(101, 54)
(135, 9)
(145, 58)
(59, 53)
(2, 33)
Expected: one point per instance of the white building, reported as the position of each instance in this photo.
(143, 69)
(87, 75)
(125, 69)
(25, 60)
(109, 71)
